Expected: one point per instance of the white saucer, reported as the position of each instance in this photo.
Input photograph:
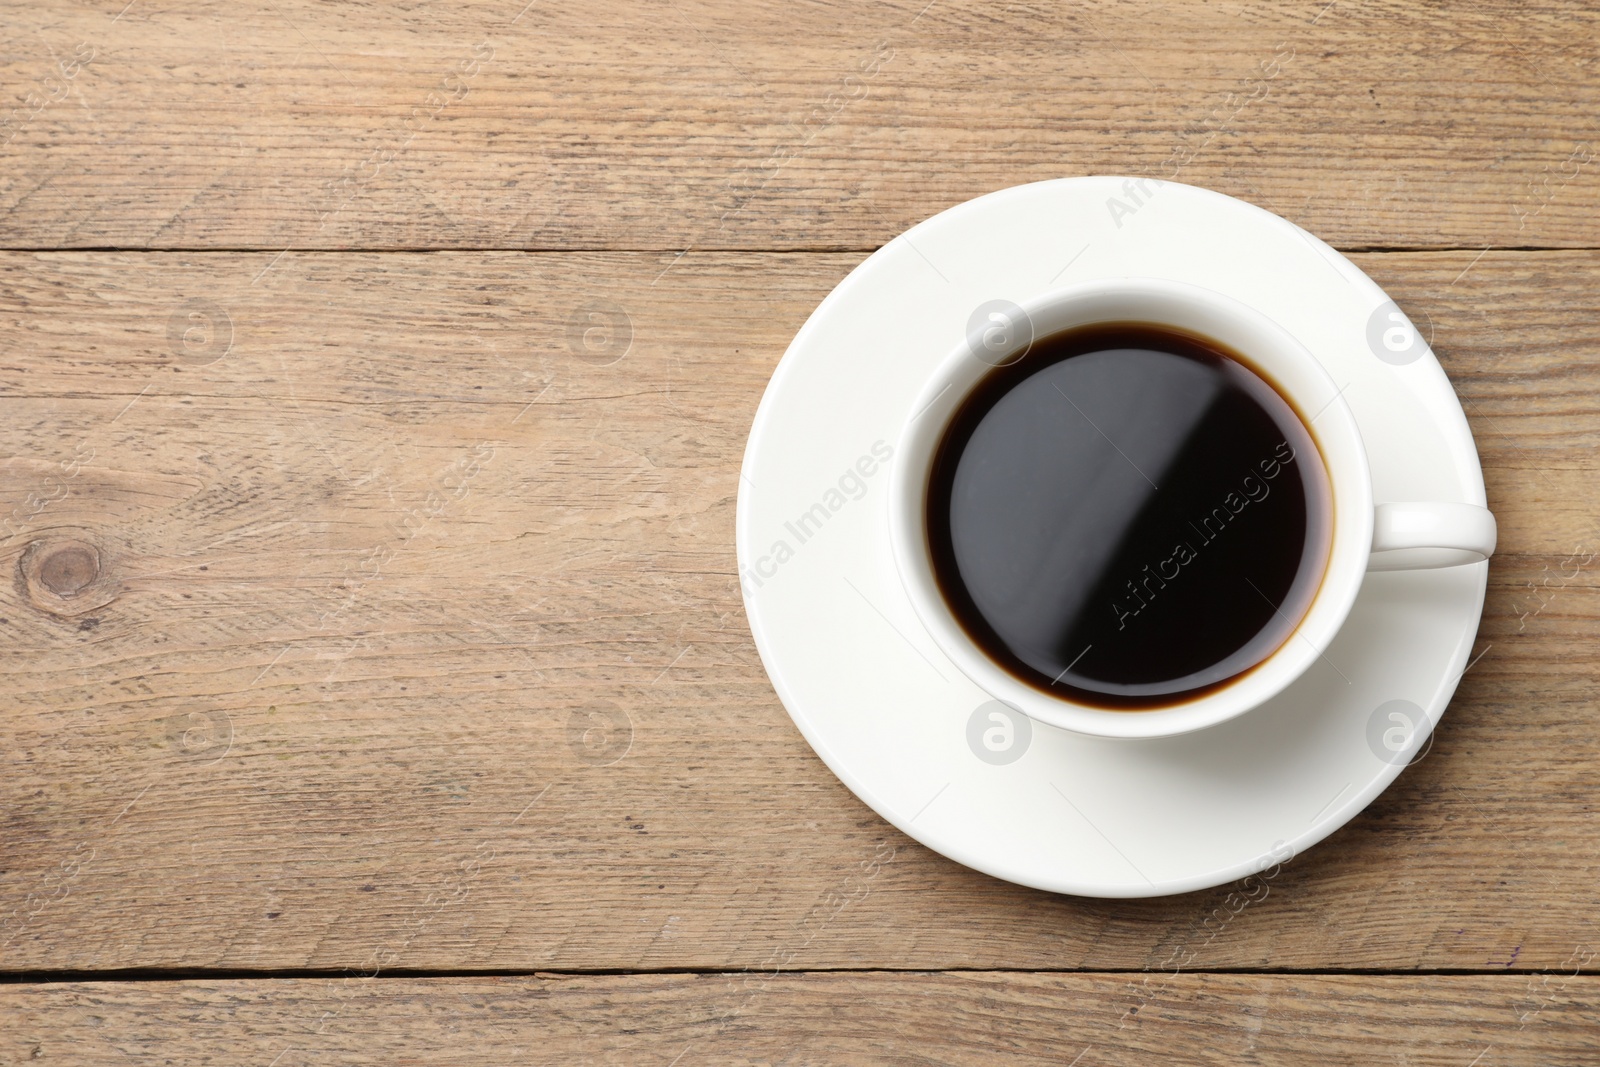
(895, 720)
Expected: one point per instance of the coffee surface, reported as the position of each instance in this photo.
(1128, 516)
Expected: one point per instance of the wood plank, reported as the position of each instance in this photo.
(776, 125)
(359, 615)
(1094, 1020)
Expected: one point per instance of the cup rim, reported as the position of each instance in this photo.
(1272, 352)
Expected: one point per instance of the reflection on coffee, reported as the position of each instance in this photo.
(1128, 516)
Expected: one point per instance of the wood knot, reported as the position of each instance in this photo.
(67, 569)
(63, 574)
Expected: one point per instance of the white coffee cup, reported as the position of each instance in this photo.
(1388, 536)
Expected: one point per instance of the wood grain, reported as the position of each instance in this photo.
(1098, 1020)
(364, 613)
(271, 124)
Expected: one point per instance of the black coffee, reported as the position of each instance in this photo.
(1128, 516)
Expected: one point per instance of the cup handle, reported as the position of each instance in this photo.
(1426, 536)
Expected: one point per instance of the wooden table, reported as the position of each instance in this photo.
(372, 395)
